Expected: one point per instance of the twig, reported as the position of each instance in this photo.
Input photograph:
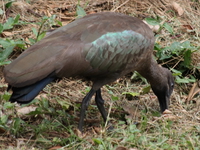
(120, 6)
(4, 14)
(177, 62)
(107, 120)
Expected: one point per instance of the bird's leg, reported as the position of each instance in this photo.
(100, 104)
(84, 106)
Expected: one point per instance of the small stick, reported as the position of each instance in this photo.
(120, 5)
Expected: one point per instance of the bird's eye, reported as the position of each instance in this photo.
(172, 85)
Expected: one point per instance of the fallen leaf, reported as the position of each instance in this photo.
(2, 130)
(167, 112)
(177, 8)
(97, 130)
(187, 26)
(121, 148)
(55, 147)
(187, 29)
(133, 113)
(26, 110)
(154, 28)
(21, 8)
(183, 110)
(169, 116)
(7, 34)
(42, 95)
(194, 90)
(79, 133)
(91, 12)
(48, 13)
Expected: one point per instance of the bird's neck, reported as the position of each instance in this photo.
(154, 73)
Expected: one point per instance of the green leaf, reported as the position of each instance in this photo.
(131, 93)
(157, 47)
(80, 11)
(164, 53)
(97, 140)
(186, 44)
(8, 46)
(16, 125)
(32, 40)
(152, 21)
(8, 24)
(1, 12)
(146, 89)
(114, 98)
(43, 140)
(45, 103)
(110, 92)
(176, 48)
(1, 28)
(5, 43)
(184, 80)
(136, 76)
(59, 22)
(63, 104)
(41, 36)
(16, 19)
(8, 5)
(187, 58)
(87, 89)
(8, 105)
(19, 44)
(168, 28)
(5, 53)
(5, 63)
(176, 72)
(4, 119)
(35, 32)
(45, 18)
(37, 111)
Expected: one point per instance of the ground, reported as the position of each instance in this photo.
(54, 115)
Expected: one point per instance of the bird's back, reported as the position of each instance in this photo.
(94, 46)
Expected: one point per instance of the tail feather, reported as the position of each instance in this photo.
(26, 94)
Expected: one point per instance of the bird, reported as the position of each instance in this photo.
(101, 48)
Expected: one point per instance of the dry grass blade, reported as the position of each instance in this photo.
(194, 90)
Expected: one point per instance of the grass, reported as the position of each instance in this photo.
(54, 123)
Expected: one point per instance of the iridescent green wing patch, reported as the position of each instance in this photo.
(112, 50)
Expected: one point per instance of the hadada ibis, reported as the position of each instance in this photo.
(100, 47)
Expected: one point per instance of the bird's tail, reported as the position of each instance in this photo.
(26, 94)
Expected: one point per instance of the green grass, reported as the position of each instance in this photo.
(55, 124)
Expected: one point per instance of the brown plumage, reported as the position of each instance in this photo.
(100, 47)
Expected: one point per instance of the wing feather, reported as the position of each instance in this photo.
(112, 51)
(102, 41)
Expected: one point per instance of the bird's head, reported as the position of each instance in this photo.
(164, 88)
